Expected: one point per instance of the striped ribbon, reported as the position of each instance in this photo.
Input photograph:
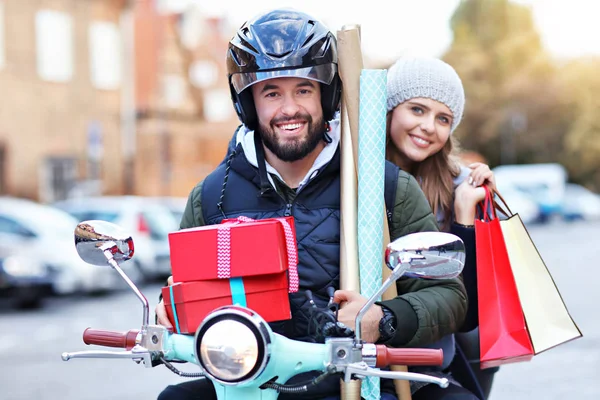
(224, 250)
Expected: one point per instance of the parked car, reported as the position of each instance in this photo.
(521, 204)
(144, 218)
(176, 206)
(24, 280)
(542, 183)
(580, 203)
(45, 234)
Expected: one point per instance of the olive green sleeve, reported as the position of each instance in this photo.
(411, 212)
(425, 309)
(192, 215)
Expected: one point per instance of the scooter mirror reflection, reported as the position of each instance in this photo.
(93, 238)
(433, 255)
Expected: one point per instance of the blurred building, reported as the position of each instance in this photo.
(110, 97)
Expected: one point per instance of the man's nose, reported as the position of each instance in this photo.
(289, 106)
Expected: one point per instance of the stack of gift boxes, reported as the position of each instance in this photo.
(251, 263)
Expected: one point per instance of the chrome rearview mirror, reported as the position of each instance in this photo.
(433, 255)
(104, 243)
(93, 238)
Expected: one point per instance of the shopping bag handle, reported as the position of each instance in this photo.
(488, 206)
(497, 206)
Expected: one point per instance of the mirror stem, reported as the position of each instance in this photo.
(109, 256)
(396, 273)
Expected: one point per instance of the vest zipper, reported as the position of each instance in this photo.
(288, 210)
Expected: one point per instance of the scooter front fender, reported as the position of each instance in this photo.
(287, 358)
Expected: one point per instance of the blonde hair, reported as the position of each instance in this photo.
(435, 174)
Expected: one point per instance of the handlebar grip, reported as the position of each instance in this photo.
(125, 340)
(410, 357)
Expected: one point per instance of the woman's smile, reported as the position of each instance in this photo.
(419, 141)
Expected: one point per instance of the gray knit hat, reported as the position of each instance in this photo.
(430, 78)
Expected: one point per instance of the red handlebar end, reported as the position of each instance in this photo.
(125, 340)
(410, 357)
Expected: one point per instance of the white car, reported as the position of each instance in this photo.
(46, 234)
(520, 203)
(148, 222)
(175, 204)
(580, 203)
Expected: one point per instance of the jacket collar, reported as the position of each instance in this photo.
(245, 137)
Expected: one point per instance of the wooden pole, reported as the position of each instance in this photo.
(350, 66)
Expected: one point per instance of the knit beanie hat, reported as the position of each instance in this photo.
(430, 78)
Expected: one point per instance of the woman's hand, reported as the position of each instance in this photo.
(471, 192)
(481, 174)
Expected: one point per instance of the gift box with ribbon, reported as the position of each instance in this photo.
(248, 262)
(189, 303)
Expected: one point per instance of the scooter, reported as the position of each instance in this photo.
(237, 350)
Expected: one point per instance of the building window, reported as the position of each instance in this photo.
(2, 43)
(174, 91)
(3, 168)
(54, 45)
(58, 178)
(217, 105)
(105, 55)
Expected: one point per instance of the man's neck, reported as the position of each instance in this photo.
(294, 172)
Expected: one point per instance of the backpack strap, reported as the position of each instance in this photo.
(391, 184)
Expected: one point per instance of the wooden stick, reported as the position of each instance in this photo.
(349, 270)
(350, 66)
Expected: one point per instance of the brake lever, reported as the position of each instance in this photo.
(137, 354)
(362, 370)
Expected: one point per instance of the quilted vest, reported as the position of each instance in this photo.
(316, 212)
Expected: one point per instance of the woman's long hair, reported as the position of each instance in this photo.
(435, 175)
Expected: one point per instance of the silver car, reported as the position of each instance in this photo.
(46, 234)
(148, 222)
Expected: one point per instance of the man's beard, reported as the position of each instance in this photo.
(300, 147)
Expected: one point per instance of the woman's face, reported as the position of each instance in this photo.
(419, 128)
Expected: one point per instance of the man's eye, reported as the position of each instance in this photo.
(271, 94)
(303, 91)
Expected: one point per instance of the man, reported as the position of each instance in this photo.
(285, 160)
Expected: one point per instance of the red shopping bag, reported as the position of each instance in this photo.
(503, 335)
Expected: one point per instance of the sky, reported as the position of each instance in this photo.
(569, 28)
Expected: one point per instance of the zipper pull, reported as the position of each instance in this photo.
(288, 210)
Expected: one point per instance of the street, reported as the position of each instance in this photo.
(32, 341)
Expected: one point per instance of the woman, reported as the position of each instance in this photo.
(425, 102)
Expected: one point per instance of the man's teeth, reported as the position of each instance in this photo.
(291, 127)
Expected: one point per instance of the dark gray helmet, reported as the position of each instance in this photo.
(282, 43)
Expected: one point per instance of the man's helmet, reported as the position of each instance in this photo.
(282, 43)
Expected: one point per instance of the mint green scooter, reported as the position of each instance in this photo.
(237, 350)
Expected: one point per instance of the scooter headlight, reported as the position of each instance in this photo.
(232, 345)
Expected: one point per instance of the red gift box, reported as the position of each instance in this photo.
(193, 301)
(247, 247)
(242, 261)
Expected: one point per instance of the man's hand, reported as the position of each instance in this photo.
(161, 311)
(350, 304)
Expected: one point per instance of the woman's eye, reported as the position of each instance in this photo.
(417, 110)
(444, 120)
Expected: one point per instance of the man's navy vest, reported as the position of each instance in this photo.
(316, 212)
